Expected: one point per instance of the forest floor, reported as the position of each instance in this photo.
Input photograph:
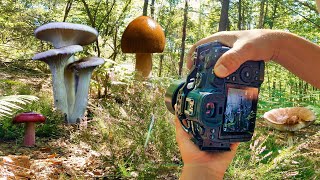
(66, 157)
(50, 159)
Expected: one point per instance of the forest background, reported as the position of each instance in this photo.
(121, 109)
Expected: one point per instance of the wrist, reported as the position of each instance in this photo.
(279, 43)
(201, 171)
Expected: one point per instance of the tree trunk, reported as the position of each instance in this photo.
(161, 65)
(145, 8)
(243, 17)
(185, 19)
(93, 23)
(275, 6)
(166, 27)
(115, 39)
(261, 16)
(266, 13)
(152, 9)
(67, 10)
(239, 15)
(223, 24)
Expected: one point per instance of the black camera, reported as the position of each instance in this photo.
(216, 111)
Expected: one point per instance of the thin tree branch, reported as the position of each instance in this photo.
(67, 10)
(95, 11)
(88, 13)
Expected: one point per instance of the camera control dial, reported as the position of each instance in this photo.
(210, 109)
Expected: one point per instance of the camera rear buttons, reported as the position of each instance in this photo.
(246, 74)
(191, 84)
(189, 107)
(210, 109)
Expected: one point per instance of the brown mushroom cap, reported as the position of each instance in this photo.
(62, 34)
(289, 119)
(29, 117)
(143, 35)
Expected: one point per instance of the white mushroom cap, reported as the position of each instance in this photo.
(86, 63)
(62, 34)
(289, 119)
(61, 51)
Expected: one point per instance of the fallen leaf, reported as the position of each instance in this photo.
(45, 149)
(52, 155)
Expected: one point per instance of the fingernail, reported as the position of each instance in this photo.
(221, 70)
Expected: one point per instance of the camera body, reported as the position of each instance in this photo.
(216, 111)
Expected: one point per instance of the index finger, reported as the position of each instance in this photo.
(227, 38)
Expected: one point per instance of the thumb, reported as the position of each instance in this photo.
(230, 61)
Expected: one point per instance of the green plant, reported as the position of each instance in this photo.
(9, 103)
(51, 128)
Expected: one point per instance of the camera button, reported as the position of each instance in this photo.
(212, 136)
(200, 129)
(210, 109)
(246, 74)
(191, 84)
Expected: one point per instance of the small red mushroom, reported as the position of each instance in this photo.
(30, 118)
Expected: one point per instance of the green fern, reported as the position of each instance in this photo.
(9, 103)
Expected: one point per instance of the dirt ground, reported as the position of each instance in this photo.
(50, 159)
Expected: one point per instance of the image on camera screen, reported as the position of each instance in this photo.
(241, 104)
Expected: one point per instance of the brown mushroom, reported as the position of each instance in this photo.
(143, 36)
(30, 118)
(289, 120)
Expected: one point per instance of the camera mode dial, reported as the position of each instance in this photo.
(246, 74)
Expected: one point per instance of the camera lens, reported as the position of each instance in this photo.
(171, 94)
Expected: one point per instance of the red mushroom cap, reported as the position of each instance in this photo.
(29, 117)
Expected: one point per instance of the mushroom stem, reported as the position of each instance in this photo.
(59, 89)
(81, 100)
(290, 138)
(29, 134)
(69, 82)
(144, 64)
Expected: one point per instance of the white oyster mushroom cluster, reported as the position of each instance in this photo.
(70, 97)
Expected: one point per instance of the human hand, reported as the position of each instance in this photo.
(258, 44)
(201, 164)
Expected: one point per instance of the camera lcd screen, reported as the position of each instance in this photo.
(240, 109)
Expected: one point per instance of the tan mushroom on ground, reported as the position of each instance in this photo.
(289, 120)
(143, 36)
